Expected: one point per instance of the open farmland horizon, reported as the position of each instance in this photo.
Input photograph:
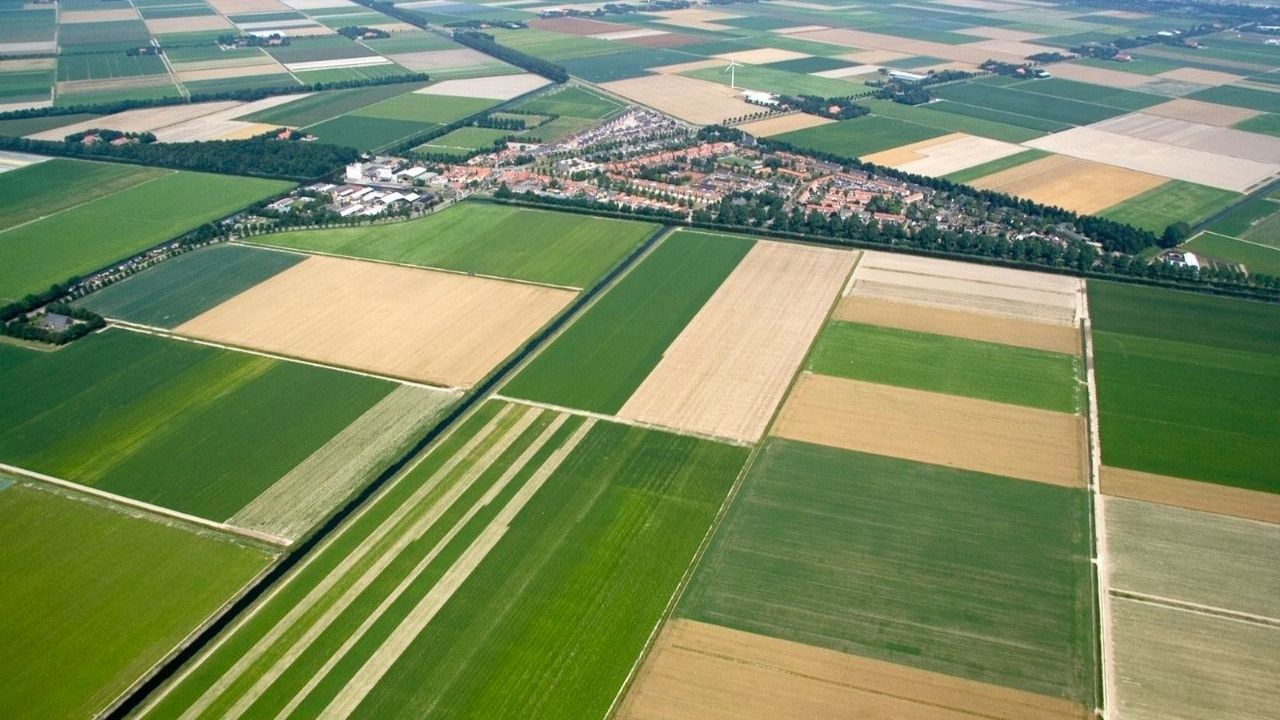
(705, 360)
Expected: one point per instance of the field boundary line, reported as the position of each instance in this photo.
(1105, 643)
(296, 251)
(723, 511)
(278, 543)
(165, 333)
(1247, 242)
(1187, 606)
(164, 172)
(621, 420)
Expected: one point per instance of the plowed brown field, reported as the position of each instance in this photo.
(959, 323)
(1191, 494)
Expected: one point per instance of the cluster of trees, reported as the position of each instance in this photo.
(107, 135)
(907, 93)
(1114, 46)
(263, 157)
(483, 24)
(360, 32)
(587, 205)
(34, 300)
(836, 108)
(237, 40)
(244, 95)
(497, 123)
(997, 67)
(29, 327)
(1048, 57)
(485, 43)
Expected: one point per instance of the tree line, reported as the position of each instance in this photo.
(486, 44)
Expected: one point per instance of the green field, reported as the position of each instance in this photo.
(951, 122)
(1085, 92)
(860, 136)
(626, 64)
(547, 621)
(1180, 377)
(84, 580)
(181, 288)
(326, 105)
(957, 572)
(573, 102)
(366, 133)
(1268, 124)
(54, 185)
(29, 126)
(1245, 217)
(534, 245)
(1168, 203)
(979, 112)
(465, 138)
(104, 66)
(1255, 258)
(1035, 105)
(952, 365)
(599, 361)
(425, 108)
(171, 423)
(1244, 97)
(321, 47)
(84, 238)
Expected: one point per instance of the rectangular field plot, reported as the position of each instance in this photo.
(463, 591)
(170, 423)
(860, 136)
(972, 575)
(45, 188)
(88, 580)
(727, 371)
(979, 435)
(698, 671)
(112, 227)
(1219, 353)
(572, 101)
(369, 316)
(522, 244)
(185, 286)
(1017, 101)
(952, 365)
(1169, 203)
(1079, 185)
(599, 361)
(1179, 665)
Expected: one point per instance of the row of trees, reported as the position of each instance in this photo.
(485, 43)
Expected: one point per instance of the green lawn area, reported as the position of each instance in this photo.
(367, 133)
(113, 227)
(573, 102)
(1255, 258)
(1168, 203)
(555, 612)
(860, 136)
(1268, 102)
(1246, 216)
(767, 79)
(326, 105)
(1267, 123)
(957, 366)
(54, 185)
(181, 288)
(626, 64)
(425, 109)
(466, 138)
(1017, 101)
(929, 116)
(957, 572)
(994, 166)
(32, 125)
(1182, 382)
(534, 245)
(171, 423)
(599, 361)
(84, 580)
(1086, 92)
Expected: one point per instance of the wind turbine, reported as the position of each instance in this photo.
(733, 63)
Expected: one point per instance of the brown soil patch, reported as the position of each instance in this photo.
(160, 26)
(664, 40)
(26, 64)
(491, 87)
(1198, 136)
(144, 120)
(686, 67)
(997, 33)
(229, 72)
(696, 18)
(958, 323)
(247, 7)
(947, 154)
(980, 435)
(1012, 47)
(1071, 183)
(697, 101)
(443, 59)
(1117, 78)
(874, 57)
(1191, 494)
(907, 153)
(578, 26)
(118, 83)
(785, 123)
(233, 61)
(726, 372)
(1202, 112)
(698, 671)
(951, 285)
(222, 125)
(1200, 77)
(438, 327)
(70, 17)
(762, 56)
(970, 53)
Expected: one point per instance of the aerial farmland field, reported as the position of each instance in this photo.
(521, 244)
(111, 227)
(86, 579)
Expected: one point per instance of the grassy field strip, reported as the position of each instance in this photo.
(1250, 242)
(297, 501)
(165, 333)
(621, 420)
(86, 202)
(246, 242)
(366, 577)
(250, 533)
(1098, 519)
(377, 666)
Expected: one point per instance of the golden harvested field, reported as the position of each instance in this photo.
(1072, 183)
(1099, 76)
(1191, 494)
(1200, 77)
(959, 323)
(726, 372)
(945, 284)
(696, 101)
(222, 125)
(860, 39)
(1011, 47)
(1148, 156)
(495, 87)
(945, 154)
(998, 33)
(1198, 136)
(698, 671)
(159, 26)
(221, 73)
(785, 123)
(25, 64)
(143, 120)
(761, 56)
(437, 327)
(71, 17)
(696, 19)
(441, 59)
(948, 430)
(1202, 112)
